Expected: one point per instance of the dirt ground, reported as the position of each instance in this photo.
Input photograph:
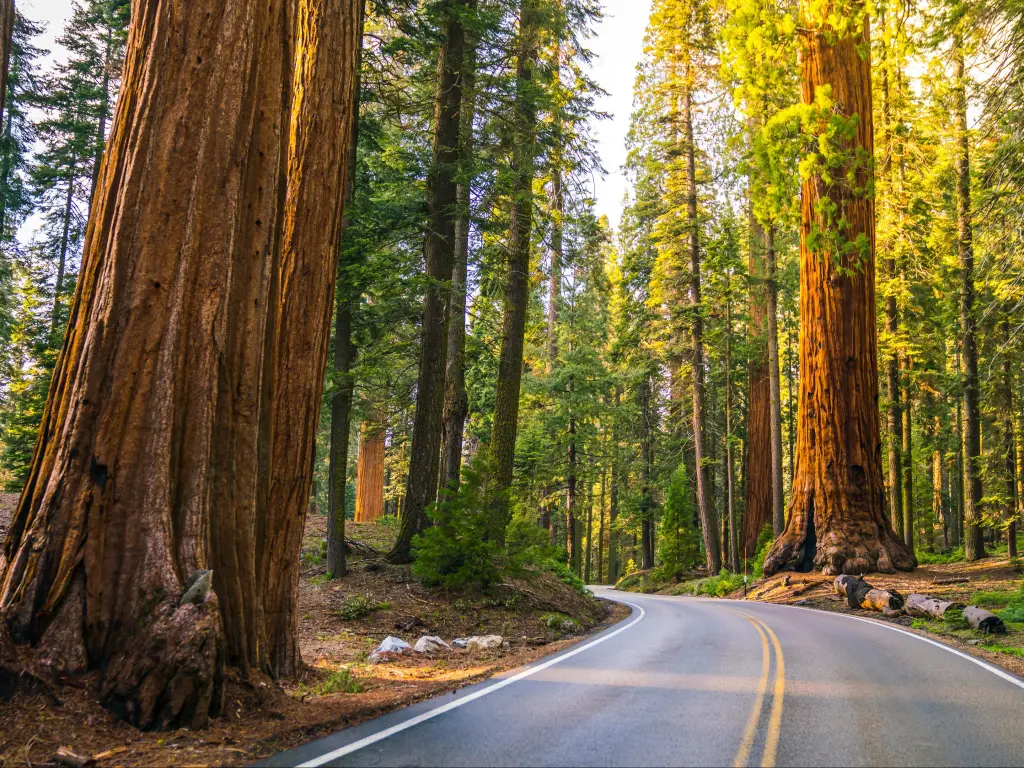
(341, 622)
(992, 578)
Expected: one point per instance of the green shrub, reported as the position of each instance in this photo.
(935, 558)
(1014, 611)
(764, 545)
(678, 544)
(455, 551)
(561, 623)
(721, 585)
(357, 606)
(341, 681)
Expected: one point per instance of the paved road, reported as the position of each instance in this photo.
(711, 682)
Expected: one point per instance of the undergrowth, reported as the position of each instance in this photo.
(713, 586)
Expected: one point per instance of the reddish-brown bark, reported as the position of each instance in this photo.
(370, 474)
(758, 476)
(176, 435)
(838, 494)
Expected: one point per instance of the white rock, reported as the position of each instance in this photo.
(460, 642)
(431, 644)
(484, 642)
(390, 644)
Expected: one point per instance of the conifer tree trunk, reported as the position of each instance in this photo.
(837, 519)
(778, 503)
(974, 546)
(345, 354)
(7, 16)
(517, 281)
(757, 508)
(590, 532)
(178, 433)
(705, 500)
(421, 485)
(555, 266)
(907, 485)
(600, 531)
(456, 399)
(69, 202)
(613, 501)
(570, 498)
(646, 472)
(1009, 445)
(938, 505)
(734, 555)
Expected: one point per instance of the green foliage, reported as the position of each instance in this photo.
(341, 681)
(725, 583)
(991, 599)
(559, 622)
(357, 606)
(935, 558)
(679, 542)
(1014, 611)
(454, 551)
(764, 545)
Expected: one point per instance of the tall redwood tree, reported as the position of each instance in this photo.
(838, 520)
(178, 432)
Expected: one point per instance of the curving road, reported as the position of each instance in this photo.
(711, 682)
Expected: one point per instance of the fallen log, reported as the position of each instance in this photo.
(860, 594)
(923, 606)
(984, 621)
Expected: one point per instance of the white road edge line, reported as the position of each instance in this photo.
(414, 721)
(973, 659)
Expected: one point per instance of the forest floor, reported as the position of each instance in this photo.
(341, 623)
(994, 583)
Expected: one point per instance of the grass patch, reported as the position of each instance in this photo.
(937, 558)
(1009, 650)
(991, 599)
(638, 581)
(341, 681)
(713, 586)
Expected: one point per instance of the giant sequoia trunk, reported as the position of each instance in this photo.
(345, 352)
(517, 280)
(178, 432)
(439, 252)
(837, 519)
(758, 476)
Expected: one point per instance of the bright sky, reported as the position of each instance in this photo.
(618, 46)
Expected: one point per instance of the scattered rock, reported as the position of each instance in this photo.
(802, 602)
(431, 644)
(460, 642)
(974, 642)
(563, 624)
(389, 644)
(484, 642)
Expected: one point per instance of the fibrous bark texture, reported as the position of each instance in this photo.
(370, 474)
(177, 435)
(439, 253)
(758, 477)
(837, 519)
(517, 279)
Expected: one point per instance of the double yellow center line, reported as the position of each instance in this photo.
(771, 742)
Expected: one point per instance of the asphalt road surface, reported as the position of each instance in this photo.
(711, 682)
